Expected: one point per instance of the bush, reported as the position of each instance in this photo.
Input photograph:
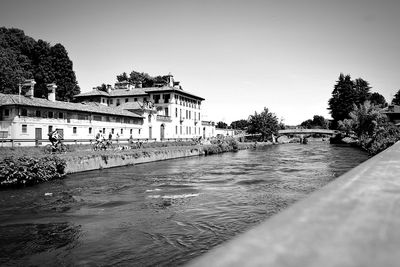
(25, 171)
(384, 137)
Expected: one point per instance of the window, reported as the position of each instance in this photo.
(135, 99)
(24, 128)
(74, 130)
(82, 117)
(139, 131)
(24, 112)
(122, 131)
(112, 130)
(176, 112)
(149, 118)
(130, 131)
(166, 112)
(187, 114)
(166, 98)
(97, 118)
(118, 103)
(156, 99)
(126, 100)
(107, 118)
(38, 113)
(103, 100)
(50, 115)
(90, 130)
(60, 115)
(50, 129)
(176, 129)
(104, 130)
(6, 112)
(180, 129)
(111, 101)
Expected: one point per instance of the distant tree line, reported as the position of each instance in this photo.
(22, 57)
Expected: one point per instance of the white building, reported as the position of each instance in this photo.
(168, 110)
(28, 118)
(157, 113)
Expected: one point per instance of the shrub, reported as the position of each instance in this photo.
(25, 171)
(385, 136)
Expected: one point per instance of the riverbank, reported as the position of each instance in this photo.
(17, 170)
(109, 159)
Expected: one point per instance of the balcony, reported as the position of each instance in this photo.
(164, 118)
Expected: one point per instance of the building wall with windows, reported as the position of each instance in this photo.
(35, 118)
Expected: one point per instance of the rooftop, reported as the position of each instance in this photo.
(15, 100)
(137, 92)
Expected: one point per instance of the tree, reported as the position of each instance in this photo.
(221, 125)
(345, 95)
(364, 120)
(64, 76)
(396, 98)
(122, 77)
(265, 123)
(239, 124)
(317, 122)
(21, 57)
(102, 87)
(377, 99)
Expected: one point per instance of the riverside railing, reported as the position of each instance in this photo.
(352, 221)
(40, 142)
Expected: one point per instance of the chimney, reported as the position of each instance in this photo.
(170, 80)
(31, 90)
(139, 84)
(109, 88)
(51, 90)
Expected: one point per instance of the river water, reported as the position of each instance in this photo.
(161, 213)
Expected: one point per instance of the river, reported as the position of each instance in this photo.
(161, 213)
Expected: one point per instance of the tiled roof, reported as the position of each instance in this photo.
(93, 93)
(7, 100)
(171, 89)
(136, 92)
(131, 105)
(124, 92)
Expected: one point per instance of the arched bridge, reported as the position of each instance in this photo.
(307, 131)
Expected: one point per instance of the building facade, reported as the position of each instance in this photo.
(124, 111)
(168, 110)
(29, 118)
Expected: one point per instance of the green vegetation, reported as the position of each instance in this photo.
(240, 125)
(21, 57)
(221, 125)
(370, 128)
(318, 122)
(23, 171)
(396, 98)
(265, 123)
(348, 93)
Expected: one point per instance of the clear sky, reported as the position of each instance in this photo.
(240, 56)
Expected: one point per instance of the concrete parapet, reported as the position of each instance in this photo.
(353, 221)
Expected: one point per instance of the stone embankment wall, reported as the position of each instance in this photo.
(109, 159)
